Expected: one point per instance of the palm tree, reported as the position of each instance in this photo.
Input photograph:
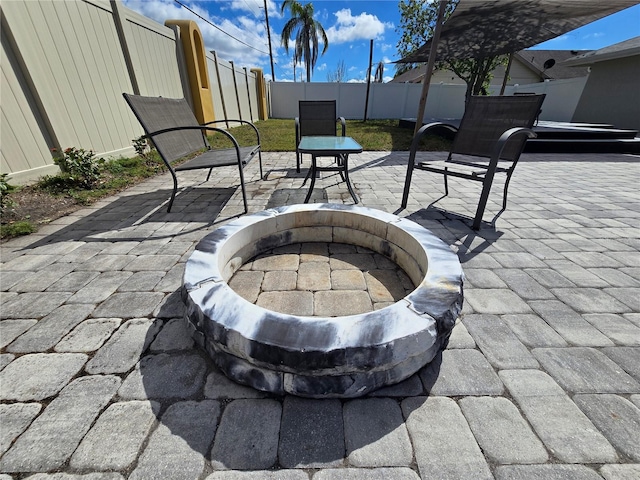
(307, 32)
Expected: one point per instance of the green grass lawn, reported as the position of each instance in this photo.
(278, 135)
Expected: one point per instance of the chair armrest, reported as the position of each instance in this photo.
(502, 141)
(343, 123)
(245, 122)
(422, 132)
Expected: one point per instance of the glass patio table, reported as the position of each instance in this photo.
(329, 146)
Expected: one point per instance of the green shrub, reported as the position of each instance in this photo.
(5, 188)
(16, 229)
(79, 167)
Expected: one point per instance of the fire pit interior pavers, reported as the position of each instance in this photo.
(322, 357)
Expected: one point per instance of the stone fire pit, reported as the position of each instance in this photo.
(322, 357)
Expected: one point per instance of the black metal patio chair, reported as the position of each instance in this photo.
(316, 118)
(175, 132)
(493, 130)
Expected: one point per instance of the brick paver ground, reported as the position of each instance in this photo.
(100, 379)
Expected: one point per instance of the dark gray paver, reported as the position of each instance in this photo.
(75, 476)
(73, 282)
(124, 348)
(460, 337)
(115, 439)
(366, 474)
(39, 375)
(441, 438)
(141, 281)
(154, 262)
(490, 418)
(460, 372)
(219, 386)
(585, 370)
(311, 434)
(6, 359)
(590, 300)
(178, 447)
(375, 434)
(175, 375)
(523, 284)
(61, 426)
(617, 418)
(546, 472)
(558, 422)
(45, 277)
(259, 475)
(498, 343)
(174, 336)
(15, 418)
(410, 387)
(247, 438)
(51, 329)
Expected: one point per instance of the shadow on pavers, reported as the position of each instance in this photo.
(237, 427)
(132, 217)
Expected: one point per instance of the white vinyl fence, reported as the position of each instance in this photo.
(65, 65)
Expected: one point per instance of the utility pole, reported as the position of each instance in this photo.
(266, 16)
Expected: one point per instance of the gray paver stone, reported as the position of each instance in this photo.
(490, 418)
(247, 438)
(366, 474)
(73, 282)
(141, 281)
(88, 336)
(155, 262)
(523, 284)
(558, 422)
(51, 329)
(460, 372)
(74, 476)
(585, 370)
(495, 301)
(129, 304)
(100, 288)
(410, 387)
(498, 343)
(533, 331)
(123, 350)
(441, 438)
(546, 472)
(43, 279)
(311, 434)
(620, 472)
(626, 357)
(460, 337)
(178, 447)
(375, 434)
(32, 304)
(61, 426)
(15, 418)
(12, 329)
(6, 359)
(617, 418)
(590, 300)
(115, 439)
(615, 327)
(176, 375)
(568, 323)
(175, 335)
(39, 375)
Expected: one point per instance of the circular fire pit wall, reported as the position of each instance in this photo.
(322, 357)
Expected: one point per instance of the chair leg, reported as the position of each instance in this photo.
(484, 196)
(173, 193)
(407, 181)
(244, 191)
(446, 181)
(504, 194)
(297, 161)
(209, 174)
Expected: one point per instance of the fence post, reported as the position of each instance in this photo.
(224, 105)
(246, 79)
(118, 20)
(235, 86)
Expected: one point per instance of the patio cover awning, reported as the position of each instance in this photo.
(480, 28)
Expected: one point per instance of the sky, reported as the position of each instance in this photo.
(239, 33)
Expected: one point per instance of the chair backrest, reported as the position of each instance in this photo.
(486, 118)
(158, 113)
(317, 117)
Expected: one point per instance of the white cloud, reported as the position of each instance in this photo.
(349, 28)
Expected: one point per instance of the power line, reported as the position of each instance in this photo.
(218, 28)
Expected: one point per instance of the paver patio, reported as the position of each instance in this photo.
(99, 378)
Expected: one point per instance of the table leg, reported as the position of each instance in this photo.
(346, 177)
(313, 178)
